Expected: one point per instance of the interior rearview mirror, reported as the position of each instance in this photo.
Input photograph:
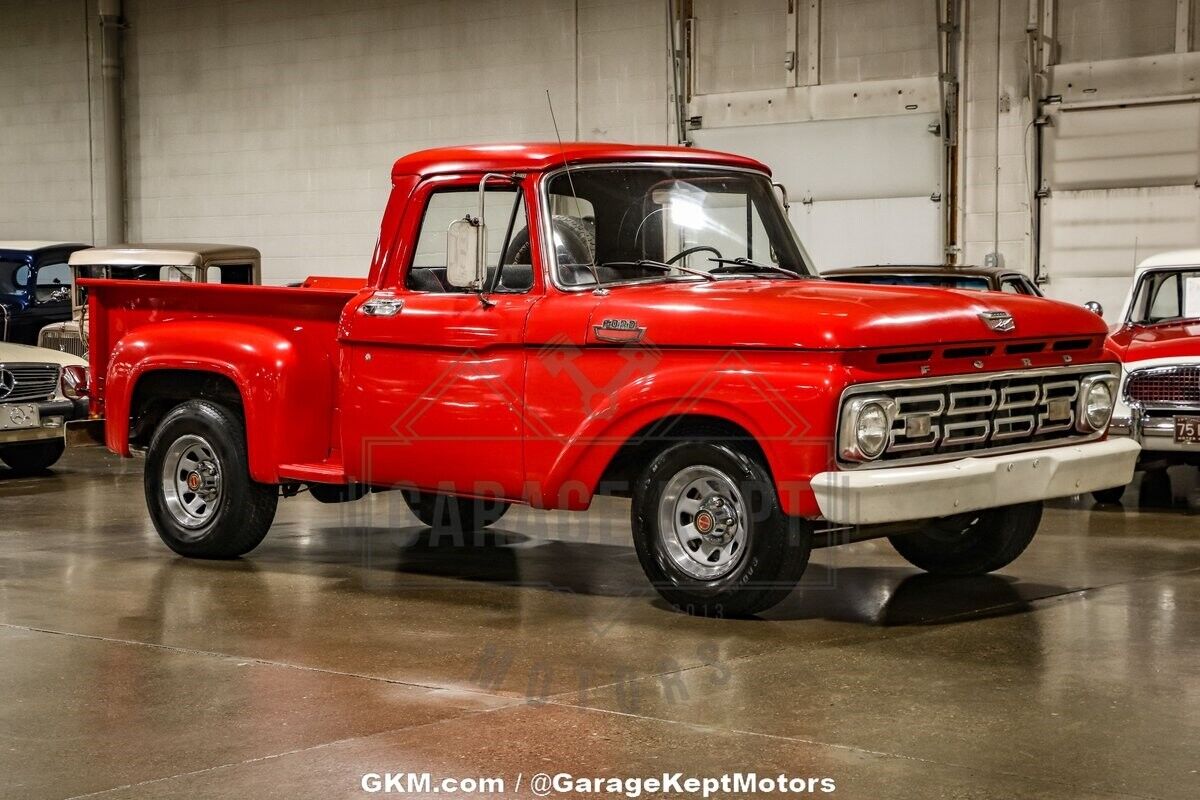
(1094, 307)
(465, 240)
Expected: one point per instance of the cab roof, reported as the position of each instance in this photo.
(1173, 258)
(33, 245)
(540, 156)
(186, 254)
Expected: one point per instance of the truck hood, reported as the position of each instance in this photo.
(1167, 340)
(825, 315)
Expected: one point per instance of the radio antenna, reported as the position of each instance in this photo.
(571, 182)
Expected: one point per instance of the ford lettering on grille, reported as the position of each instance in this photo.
(941, 418)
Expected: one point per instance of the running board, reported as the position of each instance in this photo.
(313, 473)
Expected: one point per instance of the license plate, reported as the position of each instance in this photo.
(19, 416)
(1187, 430)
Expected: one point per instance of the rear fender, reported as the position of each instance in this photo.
(277, 395)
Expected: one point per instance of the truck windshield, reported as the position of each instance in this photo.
(1167, 296)
(939, 281)
(616, 224)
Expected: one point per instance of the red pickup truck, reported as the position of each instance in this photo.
(543, 324)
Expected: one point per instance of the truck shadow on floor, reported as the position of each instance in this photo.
(878, 596)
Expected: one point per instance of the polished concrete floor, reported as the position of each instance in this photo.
(351, 643)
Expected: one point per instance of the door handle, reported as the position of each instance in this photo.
(380, 307)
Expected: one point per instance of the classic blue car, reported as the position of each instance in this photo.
(35, 287)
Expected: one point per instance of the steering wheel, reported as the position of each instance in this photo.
(697, 249)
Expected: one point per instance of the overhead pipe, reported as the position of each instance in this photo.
(112, 26)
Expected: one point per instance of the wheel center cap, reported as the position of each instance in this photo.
(194, 481)
(716, 520)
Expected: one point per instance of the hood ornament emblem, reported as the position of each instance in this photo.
(999, 321)
(8, 382)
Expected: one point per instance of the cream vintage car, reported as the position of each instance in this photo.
(186, 263)
(40, 392)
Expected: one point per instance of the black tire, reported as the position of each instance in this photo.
(775, 547)
(444, 512)
(1109, 497)
(971, 544)
(28, 459)
(242, 513)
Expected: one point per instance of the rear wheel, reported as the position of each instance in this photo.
(201, 497)
(450, 513)
(25, 459)
(710, 533)
(972, 544)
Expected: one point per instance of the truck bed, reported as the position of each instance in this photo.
(278, 345)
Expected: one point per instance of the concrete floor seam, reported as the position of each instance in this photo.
(253, 660)
(284, 754)
(854, 749)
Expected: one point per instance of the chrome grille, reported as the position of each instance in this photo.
(66, 341)
(29, 382)
(1164, 386)
(973, 414)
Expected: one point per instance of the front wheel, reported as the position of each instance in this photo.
(201, 497)
(27, 459)
(971, 544)
(710, 533)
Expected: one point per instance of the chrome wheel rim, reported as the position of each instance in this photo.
(702, 522)
(191, 481)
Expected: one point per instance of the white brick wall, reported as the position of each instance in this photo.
(44, 176)
(276, 124)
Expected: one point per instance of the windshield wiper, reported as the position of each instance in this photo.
(749, 266)
(646, 262)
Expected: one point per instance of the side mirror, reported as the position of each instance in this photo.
(465, 240)
(783, 195)
(1094, 307)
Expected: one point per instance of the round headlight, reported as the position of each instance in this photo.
(871, 430)
(1098, 405)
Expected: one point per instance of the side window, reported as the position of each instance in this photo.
(1165, 298)
(1011, 286)
(53, 282)
(509, 261)
(238, 274)
(177, 274)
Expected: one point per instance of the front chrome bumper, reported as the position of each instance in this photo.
(927, 491)
(1154, 430)
(54, 415)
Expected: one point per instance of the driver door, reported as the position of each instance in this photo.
(435, 395)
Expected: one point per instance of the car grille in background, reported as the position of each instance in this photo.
(30, 382)
(975, 414)
(64, 342)
(1167, 385)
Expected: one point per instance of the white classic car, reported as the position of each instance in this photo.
(40, 392)
(1158, 339)
(186, 263)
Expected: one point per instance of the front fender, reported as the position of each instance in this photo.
(277, 396)
(786, 403)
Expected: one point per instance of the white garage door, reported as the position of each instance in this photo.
(1122, 188)
(860, 189)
